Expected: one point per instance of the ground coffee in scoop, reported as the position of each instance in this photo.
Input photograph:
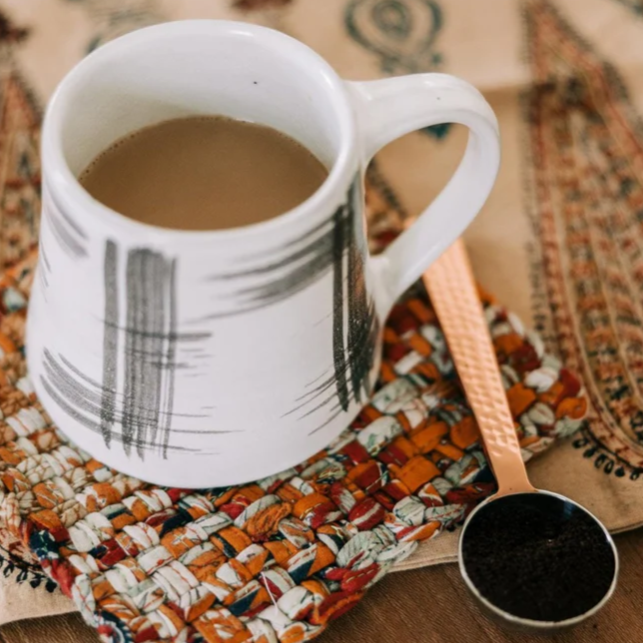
(538, 564)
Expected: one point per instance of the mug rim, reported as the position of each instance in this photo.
(65, 186)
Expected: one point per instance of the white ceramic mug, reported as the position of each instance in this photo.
(198, 359)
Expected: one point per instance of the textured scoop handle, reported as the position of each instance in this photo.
(453, 292)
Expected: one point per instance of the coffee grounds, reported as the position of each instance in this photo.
(537, 557)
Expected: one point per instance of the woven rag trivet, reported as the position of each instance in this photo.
(277, 559)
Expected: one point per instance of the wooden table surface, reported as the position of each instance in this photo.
(426, 605)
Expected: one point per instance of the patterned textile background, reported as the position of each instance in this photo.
(559, 240)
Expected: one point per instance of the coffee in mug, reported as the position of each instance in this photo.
(204, 173)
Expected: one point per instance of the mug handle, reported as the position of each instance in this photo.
(387, 109)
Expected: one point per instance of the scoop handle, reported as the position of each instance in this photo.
(454, 295)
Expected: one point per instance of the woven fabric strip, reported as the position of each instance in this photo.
(277, 559)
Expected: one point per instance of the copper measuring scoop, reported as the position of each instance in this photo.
(454, 296)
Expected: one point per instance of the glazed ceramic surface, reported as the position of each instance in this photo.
(199, 359)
